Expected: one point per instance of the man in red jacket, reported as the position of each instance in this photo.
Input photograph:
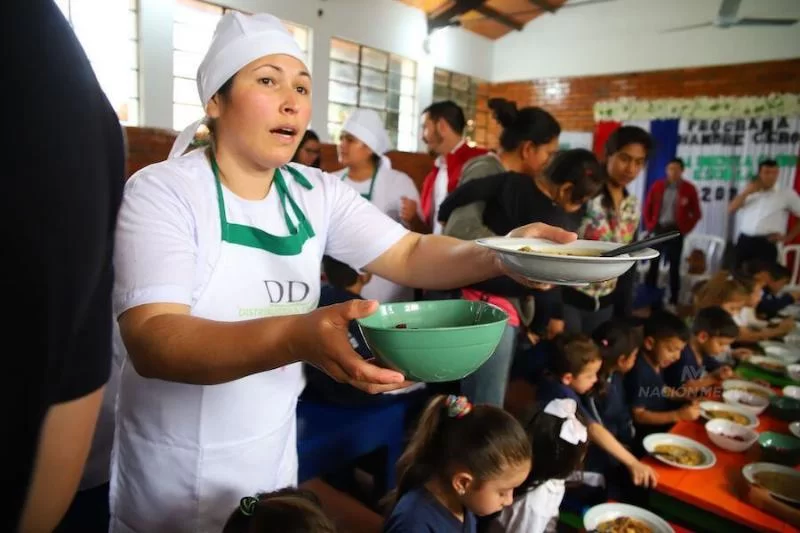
(671, 204)
(443, 125)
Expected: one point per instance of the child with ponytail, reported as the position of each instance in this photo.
(463, 461)
(283, 511)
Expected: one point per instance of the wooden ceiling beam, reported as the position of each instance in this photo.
(445, 18)
(502, 18)
(544, 5)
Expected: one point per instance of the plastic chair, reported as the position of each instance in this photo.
(711, 245)
(330, 437)
(790, 256)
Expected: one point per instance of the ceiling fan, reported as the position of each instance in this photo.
(728, 16)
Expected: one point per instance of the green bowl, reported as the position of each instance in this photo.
(779, 448)
(443, 340)
(784, 408)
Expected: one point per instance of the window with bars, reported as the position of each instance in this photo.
(193, 27)
(108, 30)
(471, 94)
(365, 77)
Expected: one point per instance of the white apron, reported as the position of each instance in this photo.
(387, 200)
(184, 455)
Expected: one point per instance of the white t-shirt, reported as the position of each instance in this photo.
(536, 512)
(747, 318)
(168, 234)
(390, 186)
(768, 212)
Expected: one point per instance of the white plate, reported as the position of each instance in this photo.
(749, 472)
(610, 511)
(544, 265)
(750, 402)
(794, 428)
(732, 384)
(651, 441)
(787, 354)
(758, 360)
(792, 391)
(711, 406)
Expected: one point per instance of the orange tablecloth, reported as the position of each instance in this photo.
(710, 489)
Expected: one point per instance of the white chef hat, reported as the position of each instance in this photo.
(238, 40)
(366, 125)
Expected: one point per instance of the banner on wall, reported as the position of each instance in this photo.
(722, 156)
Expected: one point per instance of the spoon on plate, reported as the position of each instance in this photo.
(641, 244)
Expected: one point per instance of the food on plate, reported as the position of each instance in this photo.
(583, 253)
(737, 438)
(749, 401)
(753, 391)
(682, 455)
(401, 326)
(736, 418)
(779, 483)
(624, 524)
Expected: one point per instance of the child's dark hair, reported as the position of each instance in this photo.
(532, 124)
(665, 325)
(483, 439)
(753, 267)
(571, 353)
(615, 338)
(553, 457)
(626, 135)
(284, 511)
(778, 272)
(716, 322)
(580, 168)
(339, 274)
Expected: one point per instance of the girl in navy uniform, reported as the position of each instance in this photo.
(574, 366)
(463, 461)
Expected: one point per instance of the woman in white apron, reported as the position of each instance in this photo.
(362, 146)
(217, 266)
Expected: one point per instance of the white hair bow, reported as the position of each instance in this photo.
(572, 430)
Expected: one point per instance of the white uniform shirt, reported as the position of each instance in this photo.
(536, 512)
(767, 212)
(390, 186)
(168, 235)
(440, 191)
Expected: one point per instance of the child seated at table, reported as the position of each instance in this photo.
(463, 461)
(697, 370)
(733, 294)
(284, 511)
(653, 408)
(574, 363)
(775, 300)
(619, 343)
(559, 439)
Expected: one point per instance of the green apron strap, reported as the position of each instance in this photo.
(368, 195)
(251, 237)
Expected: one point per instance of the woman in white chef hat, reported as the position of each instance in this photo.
(217, 264)
(362, 146)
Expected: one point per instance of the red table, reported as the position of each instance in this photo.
(710, 489)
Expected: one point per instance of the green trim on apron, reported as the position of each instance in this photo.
(251, 237)
(367, 196)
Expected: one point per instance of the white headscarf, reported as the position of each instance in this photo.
(366, 125)
(238, 40)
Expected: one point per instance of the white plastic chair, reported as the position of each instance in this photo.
(790, 256)
(714, 249)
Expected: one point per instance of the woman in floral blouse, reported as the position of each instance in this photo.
(613, 215)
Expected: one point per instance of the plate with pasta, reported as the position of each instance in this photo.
(623, 518)
(678, 451)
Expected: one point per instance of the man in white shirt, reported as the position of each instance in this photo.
(764, 215)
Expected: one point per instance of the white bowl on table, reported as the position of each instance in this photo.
(751, 402)
(794, 429)
(706, 408)
(793, 371)
(792, 391)
(748, 386)
(751, 471)
(787, 354)
(730, 435)
(653, 440)
(550, 262)
(606, 512)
